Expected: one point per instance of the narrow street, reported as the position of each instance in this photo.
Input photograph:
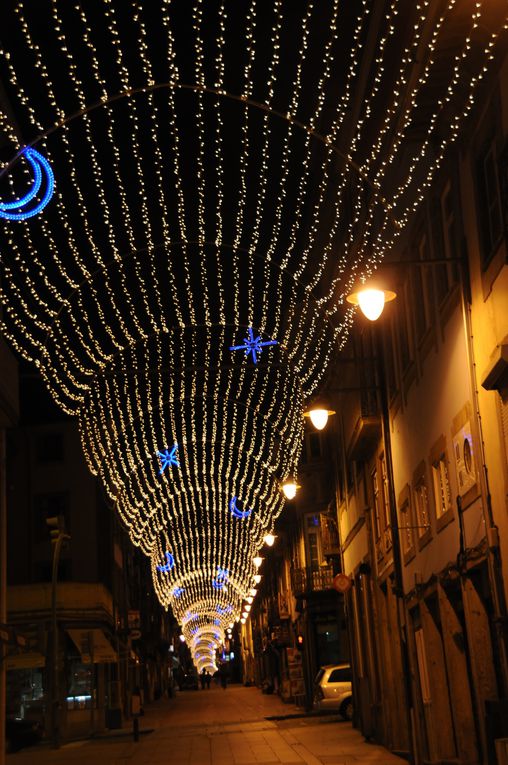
(219, 727)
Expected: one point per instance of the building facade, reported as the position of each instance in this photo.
(112, 637)
(422, 497)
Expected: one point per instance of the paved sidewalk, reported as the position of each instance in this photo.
(219, 727)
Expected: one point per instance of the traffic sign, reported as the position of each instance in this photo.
(342, 582)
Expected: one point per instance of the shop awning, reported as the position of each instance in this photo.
(94, 646)
(28, 660)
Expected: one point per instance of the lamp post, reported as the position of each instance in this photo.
(58, 537)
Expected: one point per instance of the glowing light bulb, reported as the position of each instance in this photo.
(258, 560)
(253, 592)
(248, 607)
(269, 539)
(257, 578)
(249, 599)
(290, 488)
(182, 638)
(243, 620)
(319, 418)
(371, 301)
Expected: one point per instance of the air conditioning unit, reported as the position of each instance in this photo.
(464, 459)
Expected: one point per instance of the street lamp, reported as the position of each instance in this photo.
(269, 539)
(371, 301)
(318, 411)
(290, 487)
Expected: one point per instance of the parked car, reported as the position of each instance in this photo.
(332, 689)
(20, 733)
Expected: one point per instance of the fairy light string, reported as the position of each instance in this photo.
(233, 193)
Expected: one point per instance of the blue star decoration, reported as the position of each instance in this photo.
(252, 345)
(170, 562)
(221, 578)
(168, 458)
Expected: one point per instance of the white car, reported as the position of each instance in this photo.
(333, 690)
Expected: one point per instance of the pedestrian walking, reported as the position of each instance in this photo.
(202, 678)
(208, 680)
(223, 673)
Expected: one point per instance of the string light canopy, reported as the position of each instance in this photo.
(225, 173)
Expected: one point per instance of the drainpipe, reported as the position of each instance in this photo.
(398, 588)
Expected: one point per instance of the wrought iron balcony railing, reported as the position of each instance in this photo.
(306, 580)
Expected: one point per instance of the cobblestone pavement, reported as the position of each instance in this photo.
(218, 727)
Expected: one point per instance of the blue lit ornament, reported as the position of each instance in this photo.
(14, 210)
(236, 511)
(221, 578)
(252, 345)
(168, 458)
(170, 562)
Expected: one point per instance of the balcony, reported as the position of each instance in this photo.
(305, 580)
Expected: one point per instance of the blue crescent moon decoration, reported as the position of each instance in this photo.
(170, 562)
(236, 511)
(221, 578)
(14, 210)
(252, 345)
(168, 458)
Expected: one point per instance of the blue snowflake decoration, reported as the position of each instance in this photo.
(15, 210)
(223, 611)
(221, 578)
(236, 512)
(170, 562)
(252, 345)
(178, 591)
(168, 458)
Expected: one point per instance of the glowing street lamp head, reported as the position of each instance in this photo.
(249, 599)
(243, 620)
(290, 487)
(269, 539)
(258, 560)
(371, 301)
(257, 578)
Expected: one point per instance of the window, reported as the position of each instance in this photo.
(342, 675)
(441, 486)
(313, 532)
(447, 275)
(377, 508)
(406, 524)
(403, 334)
(422, 508)
(489, 201)
(441, 483)
(312, 449)
(386, 504)
(421, 292)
